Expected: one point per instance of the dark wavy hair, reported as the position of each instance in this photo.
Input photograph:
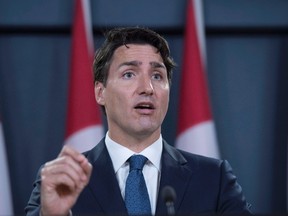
(124, 36)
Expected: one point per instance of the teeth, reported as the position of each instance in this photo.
(143, 106)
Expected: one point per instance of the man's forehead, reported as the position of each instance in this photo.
(129, 47)
(130, 52)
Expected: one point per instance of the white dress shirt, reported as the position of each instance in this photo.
(151, 170)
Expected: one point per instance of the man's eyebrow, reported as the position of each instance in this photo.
(130, 63)
(153, 64)
(157, 65)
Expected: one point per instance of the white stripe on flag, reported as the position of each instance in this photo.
(84, 140)
(5, 193)
(200, 139)
(200, 29)
(88, 24)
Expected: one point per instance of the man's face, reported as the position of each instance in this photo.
(136, 94)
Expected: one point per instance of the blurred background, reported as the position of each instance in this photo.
(247, 67)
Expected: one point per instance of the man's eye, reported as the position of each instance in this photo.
(157, 76)
(128, 75)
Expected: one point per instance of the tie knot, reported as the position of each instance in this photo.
(137, 162)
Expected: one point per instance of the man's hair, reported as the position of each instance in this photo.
(124, 36)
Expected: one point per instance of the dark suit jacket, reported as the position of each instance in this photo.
(203, 186)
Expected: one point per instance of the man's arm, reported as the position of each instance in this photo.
(231, 196)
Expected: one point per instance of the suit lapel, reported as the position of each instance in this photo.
(175, 173)
(103, 182)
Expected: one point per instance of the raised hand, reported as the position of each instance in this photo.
(63, 179)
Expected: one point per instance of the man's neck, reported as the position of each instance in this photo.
(134, 143)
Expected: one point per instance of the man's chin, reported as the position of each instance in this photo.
(148, 129)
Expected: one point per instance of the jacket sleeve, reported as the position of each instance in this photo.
(231, 198)
(33, 206)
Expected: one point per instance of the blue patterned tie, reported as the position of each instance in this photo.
(136, 194)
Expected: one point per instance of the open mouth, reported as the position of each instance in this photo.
(149, 106)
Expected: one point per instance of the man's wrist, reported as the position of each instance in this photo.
(69, 213)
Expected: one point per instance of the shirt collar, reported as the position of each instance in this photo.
(120, 154)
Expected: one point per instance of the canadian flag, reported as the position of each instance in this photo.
(6, 207)
(196, 131)
(83, 127)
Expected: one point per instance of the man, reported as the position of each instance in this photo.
(132, 76)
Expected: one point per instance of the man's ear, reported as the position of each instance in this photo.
(99, 91)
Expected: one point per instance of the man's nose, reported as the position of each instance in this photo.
(146, 86)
